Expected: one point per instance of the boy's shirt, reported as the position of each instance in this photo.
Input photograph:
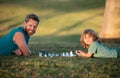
(99, 50)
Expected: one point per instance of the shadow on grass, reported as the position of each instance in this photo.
(55, 43)
(58, 5)
(111, 40)
(67, 28)
(64, 43)
(9, 27)
(64, 6)
(56, 39)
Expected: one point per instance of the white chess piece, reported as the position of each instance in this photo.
(45, 55)
(67, 54)
(71, 53)
(57, 55)
(40, 54)
(63, 54)
(52, 55)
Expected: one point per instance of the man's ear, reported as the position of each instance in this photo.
(24, 24)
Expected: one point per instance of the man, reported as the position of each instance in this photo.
(16, 42)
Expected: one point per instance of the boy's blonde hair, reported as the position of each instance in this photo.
(91, 33)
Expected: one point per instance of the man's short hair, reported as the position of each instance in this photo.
(32, 16)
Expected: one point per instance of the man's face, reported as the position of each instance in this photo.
(30, 26)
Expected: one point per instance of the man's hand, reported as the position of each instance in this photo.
(17, 52)
(22, 45)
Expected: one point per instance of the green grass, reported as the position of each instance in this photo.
(61, 17)
(58, 67)
(62, 22)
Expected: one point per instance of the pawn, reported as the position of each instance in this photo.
(45, 55)
(67, 54)
(71, 53)
(53, 55)
(40, 54)
(63, 54)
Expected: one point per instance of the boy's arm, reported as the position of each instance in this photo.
(20, 42)
(83, 54)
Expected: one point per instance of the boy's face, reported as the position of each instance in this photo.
(87, 39)
(30, 27)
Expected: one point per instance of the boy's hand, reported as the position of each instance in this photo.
(78, 52)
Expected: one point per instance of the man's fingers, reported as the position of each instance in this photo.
(17, 52)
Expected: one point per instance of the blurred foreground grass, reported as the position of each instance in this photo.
(58, 67)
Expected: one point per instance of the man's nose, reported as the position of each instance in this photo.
(32, 28)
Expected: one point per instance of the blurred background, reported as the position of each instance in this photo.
(62, 21)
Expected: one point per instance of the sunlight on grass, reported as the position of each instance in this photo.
(70, 23)
(54, 18)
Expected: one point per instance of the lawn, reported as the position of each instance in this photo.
(62, 22)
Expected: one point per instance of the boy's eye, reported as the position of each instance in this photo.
(89, 36)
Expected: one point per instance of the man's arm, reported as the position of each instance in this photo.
(17, 52)
(21, 43)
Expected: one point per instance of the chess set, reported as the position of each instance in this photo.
(64, 54)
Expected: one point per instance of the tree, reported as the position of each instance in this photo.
(111, 25)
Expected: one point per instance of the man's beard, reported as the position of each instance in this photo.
(29, 32)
